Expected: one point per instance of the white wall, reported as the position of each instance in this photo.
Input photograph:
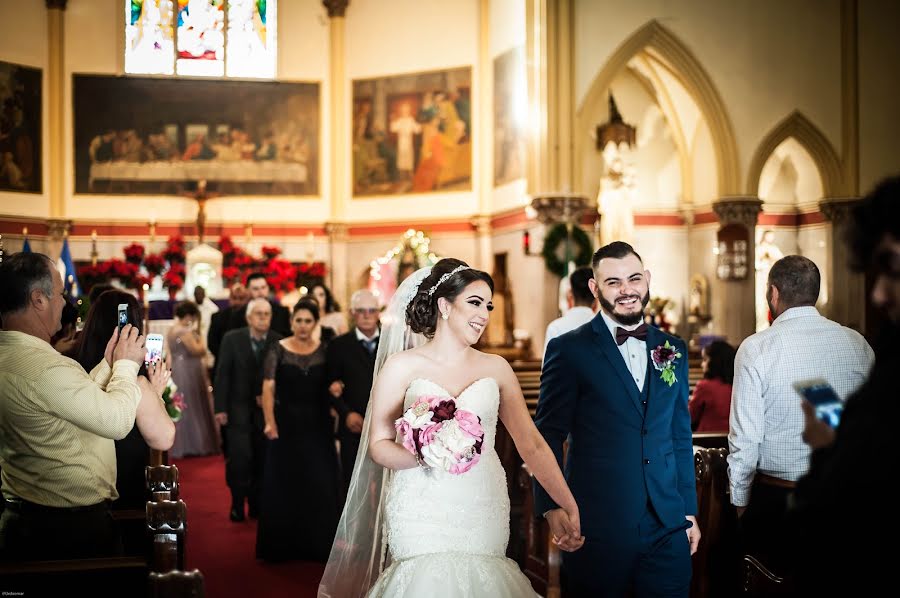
(737, 43)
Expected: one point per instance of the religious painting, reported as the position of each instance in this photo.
(162, 136)
(20, 128)
(510, 115)
(413, 133)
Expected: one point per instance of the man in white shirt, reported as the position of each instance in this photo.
(767, 453)
(207, 308)
(582, 306)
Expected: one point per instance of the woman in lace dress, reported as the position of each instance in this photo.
(446, 533)
(299, 510)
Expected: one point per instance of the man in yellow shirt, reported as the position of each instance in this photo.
(57, 423)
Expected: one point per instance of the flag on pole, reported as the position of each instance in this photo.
(67, 269)
(26, 246)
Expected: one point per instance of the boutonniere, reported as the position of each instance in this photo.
(663, 358)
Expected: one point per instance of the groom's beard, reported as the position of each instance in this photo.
(624, 319)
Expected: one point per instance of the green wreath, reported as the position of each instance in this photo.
(582, 250)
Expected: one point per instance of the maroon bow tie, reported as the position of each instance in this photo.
(639, 333)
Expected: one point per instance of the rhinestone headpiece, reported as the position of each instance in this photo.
(444, 278)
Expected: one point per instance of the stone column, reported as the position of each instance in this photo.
(484, 157)
(56, 81)
(485, 253)
(340, 114)
(338, 269)
(846, 288)
(733, 302)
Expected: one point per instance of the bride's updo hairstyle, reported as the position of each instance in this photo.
(448, 278)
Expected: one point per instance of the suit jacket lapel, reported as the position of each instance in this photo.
(655, 338)
(609, 349)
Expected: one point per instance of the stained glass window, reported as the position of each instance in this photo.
(212, 38)
(149, 37)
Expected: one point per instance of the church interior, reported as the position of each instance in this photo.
(161, 145)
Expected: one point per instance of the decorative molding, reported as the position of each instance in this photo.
(799, 127)
(481, 224)
(559, 207)
(837, 209)
(738, 210)
(56, 4)
(336, 8)
(670, 51)
(338, 232)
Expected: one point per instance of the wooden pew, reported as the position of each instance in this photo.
(715, 564)
(542, 557)
(167, 528)
(759, 582)
(177, 584)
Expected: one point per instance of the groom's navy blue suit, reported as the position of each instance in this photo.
(629, 463)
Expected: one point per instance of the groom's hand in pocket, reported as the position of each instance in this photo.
(565, 529)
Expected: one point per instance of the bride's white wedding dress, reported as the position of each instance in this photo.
(447, 534)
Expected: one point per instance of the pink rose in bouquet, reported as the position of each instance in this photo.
(441, 434)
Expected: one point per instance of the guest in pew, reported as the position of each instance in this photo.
(841, 515)
(238, 405)
(711, 402)
(152, 429)
(351, 366)
(58, 423)
(332, 316)
(766, 450)
(582, 306)
(300, 483)
(195, 432)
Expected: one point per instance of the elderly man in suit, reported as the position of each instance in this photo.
(351, 362)
(238, 390)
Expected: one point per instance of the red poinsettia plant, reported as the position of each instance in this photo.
(134, 253)
(173, 281)
(174, 251)
(155, 264)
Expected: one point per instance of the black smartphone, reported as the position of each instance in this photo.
(122, 315)
(827, 402)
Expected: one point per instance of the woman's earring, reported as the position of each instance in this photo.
(445, 315)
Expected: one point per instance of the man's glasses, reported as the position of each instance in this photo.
(366, 310)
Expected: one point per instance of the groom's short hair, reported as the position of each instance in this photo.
(616, 250)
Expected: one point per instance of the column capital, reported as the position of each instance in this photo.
(738, 210)
(338, 232)
(481, 224)
(58, 229)
(336, 8)
(837, 209)
(57, 4)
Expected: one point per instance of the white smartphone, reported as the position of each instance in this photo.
(154, 344)
(827, 402)
(122, 317)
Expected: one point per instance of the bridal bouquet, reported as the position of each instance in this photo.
(441, 435)
(173, 400)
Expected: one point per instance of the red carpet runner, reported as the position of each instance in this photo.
(225, 551)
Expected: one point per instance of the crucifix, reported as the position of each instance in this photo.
(201, 197)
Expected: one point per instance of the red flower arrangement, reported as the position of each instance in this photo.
(134, 253)
(174, 251)
(155, 264)
(174, 282)
(270, 252)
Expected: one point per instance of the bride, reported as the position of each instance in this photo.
(446, 534)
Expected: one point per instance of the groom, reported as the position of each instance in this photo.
(621, 397)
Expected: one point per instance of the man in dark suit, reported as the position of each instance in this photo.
(618, 389)
(237, 392)
(351, 364)
(220, 322)
(258, 288)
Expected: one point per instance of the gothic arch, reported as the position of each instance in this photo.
(685, 66)
(813, 141)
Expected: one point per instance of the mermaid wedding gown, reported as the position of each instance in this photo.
(447, 534)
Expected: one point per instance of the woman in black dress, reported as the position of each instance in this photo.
(299, 511)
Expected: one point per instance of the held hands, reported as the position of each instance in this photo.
(565, 526)
(127, 344)
(693, 533)
(354, 422)
(817, 434)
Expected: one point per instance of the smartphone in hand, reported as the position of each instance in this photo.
(826, 401)
(154, 345)
(122, 315)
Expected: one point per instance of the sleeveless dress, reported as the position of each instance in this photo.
(447, 534)
(195, 432)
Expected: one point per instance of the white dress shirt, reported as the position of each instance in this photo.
(363, 337)
(633, 351)
(572, 319)
(766, 421)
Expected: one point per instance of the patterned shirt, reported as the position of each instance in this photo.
(57, 423)
(766, 421)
